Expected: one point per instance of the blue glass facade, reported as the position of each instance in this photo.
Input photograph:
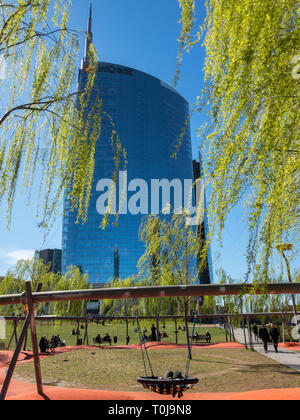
(150, 118)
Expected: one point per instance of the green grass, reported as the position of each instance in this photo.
(114, 369)
(64, 329)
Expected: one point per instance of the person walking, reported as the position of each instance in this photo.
(275, 335)
(264, 336)
(255, 331)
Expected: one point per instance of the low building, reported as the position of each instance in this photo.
(52, 256)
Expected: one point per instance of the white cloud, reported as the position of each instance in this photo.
(12, 257)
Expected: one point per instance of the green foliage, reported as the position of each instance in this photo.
(170, 258)
(121, 307)
(171, 249)
(251, 142)
(35, 271)
(72, 280)
(230, 304)
(45, 122)
(187, 21)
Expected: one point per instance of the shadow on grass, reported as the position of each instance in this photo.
(267, 368)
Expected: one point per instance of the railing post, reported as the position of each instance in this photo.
(35, 348)
(17, 351)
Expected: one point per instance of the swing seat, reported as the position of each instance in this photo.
(167, 386)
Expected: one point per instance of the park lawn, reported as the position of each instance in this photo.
(64, 329)
(232, 370)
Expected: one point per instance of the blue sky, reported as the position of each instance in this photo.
(141, 34)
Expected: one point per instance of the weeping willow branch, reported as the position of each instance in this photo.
(48, 128)
(253, 112)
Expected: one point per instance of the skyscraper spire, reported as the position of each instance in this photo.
(89, 36)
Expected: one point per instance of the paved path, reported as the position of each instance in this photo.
(285, 356)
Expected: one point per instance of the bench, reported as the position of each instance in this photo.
(200, 338)
(102, 340)
(96, 342)
(2, 346)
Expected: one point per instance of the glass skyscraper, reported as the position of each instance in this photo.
(151, 118)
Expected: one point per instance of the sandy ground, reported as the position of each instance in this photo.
(20, 390)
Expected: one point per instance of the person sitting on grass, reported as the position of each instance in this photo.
(43, 345)
(52, 344)
(58, 341)
(164, 334)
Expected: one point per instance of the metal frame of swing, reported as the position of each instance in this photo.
(166, 386)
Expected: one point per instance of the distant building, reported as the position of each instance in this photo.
(52, 256)
(206, 274)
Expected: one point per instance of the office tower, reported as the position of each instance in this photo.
(151, 119)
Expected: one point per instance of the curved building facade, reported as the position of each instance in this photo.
(150, 118)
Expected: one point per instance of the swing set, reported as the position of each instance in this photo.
(169, 384)
(153, 383)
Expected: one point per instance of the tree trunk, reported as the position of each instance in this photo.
(157, 328)
(127, 331)
(231, 328)
(187, 328)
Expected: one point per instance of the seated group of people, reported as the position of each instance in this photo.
(107, 339)
(77, 331)
(170, 375)
(157, 337)
(46, 345)
(207, 337)
(153, 336)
